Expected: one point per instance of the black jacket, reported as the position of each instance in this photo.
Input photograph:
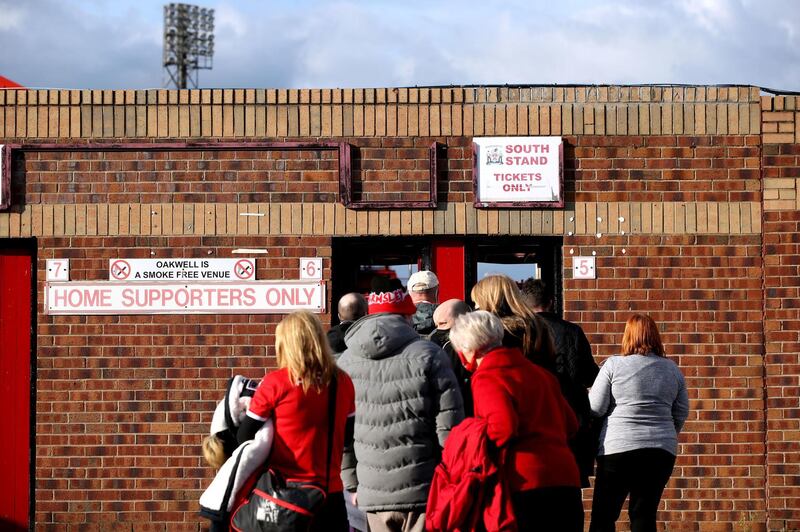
(441, 337)
(576, 370)
(336, 336)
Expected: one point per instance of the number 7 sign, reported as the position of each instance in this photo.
(57, 270)
(583, 268)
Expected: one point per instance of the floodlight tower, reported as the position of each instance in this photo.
(188, 43)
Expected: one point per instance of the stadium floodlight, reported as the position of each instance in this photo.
(188, 43)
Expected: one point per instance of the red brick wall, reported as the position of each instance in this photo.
(123, 401)
(705, 294)
(218, 176)
(663, 168)
(597, 168)
(392, 169)
(782, 324)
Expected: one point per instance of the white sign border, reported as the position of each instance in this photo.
(591, 264)
(116, 285)
(61, 273)
(317, 261)
(480, 203)
(149, 265)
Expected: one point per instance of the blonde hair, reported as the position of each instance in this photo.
(302, 348)
(214, 451)
(641, 336)
(478, 331)
(500, 295)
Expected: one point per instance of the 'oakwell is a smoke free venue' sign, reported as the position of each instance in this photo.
(518, 171)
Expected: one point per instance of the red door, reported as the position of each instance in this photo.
(15, 387)
(447, 261)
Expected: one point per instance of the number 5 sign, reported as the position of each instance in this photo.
(583, 268)
(311, 268)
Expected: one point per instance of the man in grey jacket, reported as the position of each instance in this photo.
(407, 400)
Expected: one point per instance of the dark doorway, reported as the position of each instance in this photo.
(459, 262)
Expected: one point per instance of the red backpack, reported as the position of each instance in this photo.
(468, 491)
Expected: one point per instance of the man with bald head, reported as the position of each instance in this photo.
(443, 317)
(351, 307)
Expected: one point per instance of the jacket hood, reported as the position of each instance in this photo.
(379, 336)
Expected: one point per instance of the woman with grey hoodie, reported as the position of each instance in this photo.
(642, 398)
(407, 400)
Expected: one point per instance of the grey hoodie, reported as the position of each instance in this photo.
(407, 400)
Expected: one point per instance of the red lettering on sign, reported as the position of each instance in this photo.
(249, 297)
(309, 294)
(82, 297)
(527, 148)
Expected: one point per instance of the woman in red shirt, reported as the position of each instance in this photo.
(296, 396)
(530, 422)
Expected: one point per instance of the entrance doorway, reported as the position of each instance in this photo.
(17, 289)
(459, 262)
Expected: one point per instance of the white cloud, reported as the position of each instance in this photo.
(227, 20)
(318, 43)
(12, 17)
(713, 15)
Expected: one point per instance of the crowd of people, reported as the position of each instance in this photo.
(407, 369)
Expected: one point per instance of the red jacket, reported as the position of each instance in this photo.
(467, 488)
(526, 412)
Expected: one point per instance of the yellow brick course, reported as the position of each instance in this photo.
(334, 220)
(236, 113)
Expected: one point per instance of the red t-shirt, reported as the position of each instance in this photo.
(300, 447)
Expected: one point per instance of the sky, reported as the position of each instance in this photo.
(117, 44)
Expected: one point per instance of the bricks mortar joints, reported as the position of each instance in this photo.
(764, 381)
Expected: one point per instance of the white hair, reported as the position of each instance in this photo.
(478, 331)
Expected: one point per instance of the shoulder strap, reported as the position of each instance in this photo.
(331, 426)
(227, 410)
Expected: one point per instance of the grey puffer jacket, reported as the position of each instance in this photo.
(407, 400)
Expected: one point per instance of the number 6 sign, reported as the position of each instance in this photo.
(311, 268)
(583, 268)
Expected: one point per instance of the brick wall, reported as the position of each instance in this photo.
(781, 167)
(705, 294)
(671, 179)
(123, 401)
(663, 168)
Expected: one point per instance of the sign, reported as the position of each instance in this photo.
(57, 270)
(181, 270)
(583, 268)
(518, 170)
(311, 268)
(256, 297)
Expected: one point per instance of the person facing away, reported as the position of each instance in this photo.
(351, 307)
(642, 397)
(423, 287)
(296, 396)
(576, 371)
(528, 420)
(407, 401)
(444, 316)
(500, 295)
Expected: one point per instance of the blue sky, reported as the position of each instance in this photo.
(378, 43)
